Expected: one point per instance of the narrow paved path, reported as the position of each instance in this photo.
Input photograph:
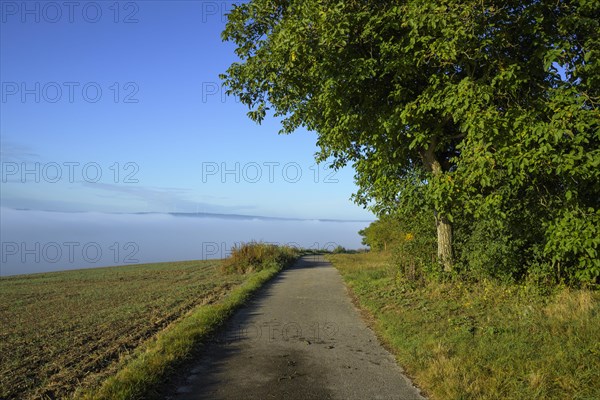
(299, 338)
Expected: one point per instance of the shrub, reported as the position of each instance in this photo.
(572, 245)
(339, 249)
(489, 250)
(255, 256)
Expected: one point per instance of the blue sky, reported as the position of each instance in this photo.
(119, 109)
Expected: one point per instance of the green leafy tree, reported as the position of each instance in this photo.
(464, 106)
(383, 233)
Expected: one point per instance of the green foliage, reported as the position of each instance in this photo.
(490, 249)
(573, 241)
(415, 255)
(486, 112)
(382, 234)
(339, 249)
(411, 239)
(254, 256)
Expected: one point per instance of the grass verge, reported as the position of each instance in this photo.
(485, 340)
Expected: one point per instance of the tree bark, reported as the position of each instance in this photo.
(443, 225)
(444, 239)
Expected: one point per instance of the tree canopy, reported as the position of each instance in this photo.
(484, 111)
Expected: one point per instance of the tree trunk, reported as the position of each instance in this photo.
(443, 225)
(444, 239)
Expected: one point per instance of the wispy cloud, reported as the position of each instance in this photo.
(14, 152)
(163, 199)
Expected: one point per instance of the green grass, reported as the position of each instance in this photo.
(485, 340)
(110, 332)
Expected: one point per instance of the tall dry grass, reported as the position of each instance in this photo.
(256, 256)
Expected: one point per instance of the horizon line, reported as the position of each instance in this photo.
(201, 214)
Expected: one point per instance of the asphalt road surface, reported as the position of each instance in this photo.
(299, 338)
